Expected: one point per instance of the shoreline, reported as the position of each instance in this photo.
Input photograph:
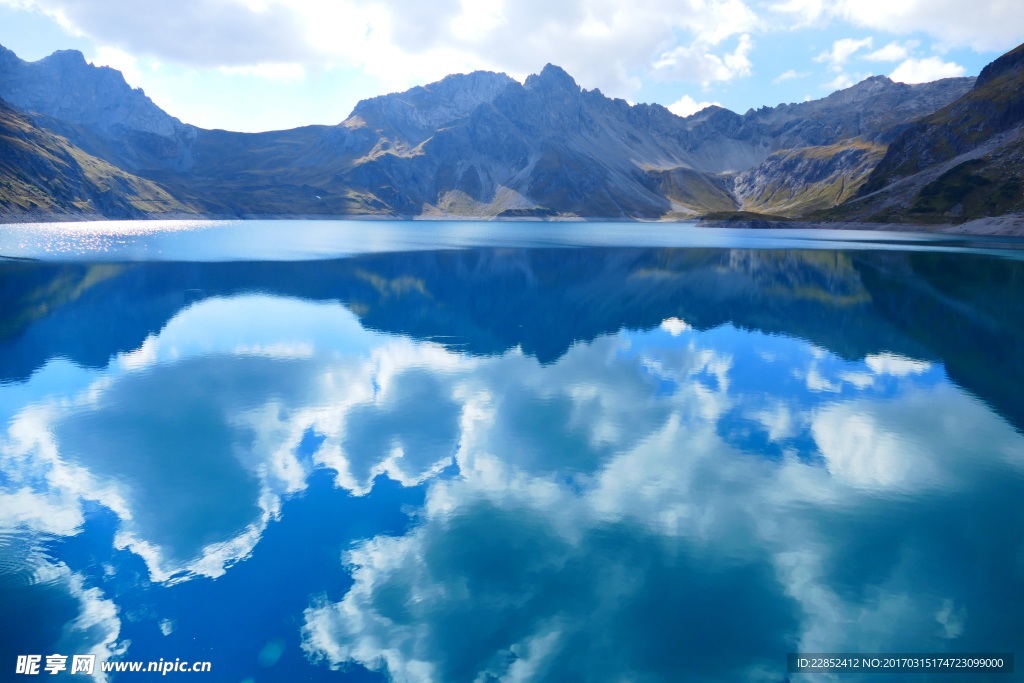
(1009, 225)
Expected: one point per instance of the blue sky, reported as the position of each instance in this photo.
(254, 65)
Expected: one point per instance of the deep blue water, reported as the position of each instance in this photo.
(513, 452)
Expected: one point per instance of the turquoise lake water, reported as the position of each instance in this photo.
(367, 451)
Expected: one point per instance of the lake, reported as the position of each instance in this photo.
(368, 451)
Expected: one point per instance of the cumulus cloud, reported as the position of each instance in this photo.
(840, 82)
(837, 58)
(910, 70)
(194, 32)
(404, 43)
(983, 25)
(842, 50)
(560, 572)
(513, 574)
(557, 607)
(696, 63)
(398, 43)
(925, 70)
(788, 75)
(892, 52)
(687, 106)
(118, 59)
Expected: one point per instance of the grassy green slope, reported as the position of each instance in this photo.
(964, 161)
(42, 173)
(795, 182)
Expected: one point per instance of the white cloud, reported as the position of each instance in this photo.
(893, 52)
(842, 50)
(982, 25)
(916, 441)
(685, 106)
(676, 326)
(895, 364)
(837, 57)
(550, 579)
(911, 70)
(404, 43)
(270, 71)
(925, 70)
(861, 380)
(384, 406)
(96, 628)
(696, 63)
(779, 422)
(788, 75)
(801, 13)
(840, 82)
(118, 59)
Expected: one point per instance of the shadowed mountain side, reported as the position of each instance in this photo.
(484, 145)
(983, 345)
(486, 301)
(964, 161)
(96, 110)
(43, 174)
(546, 148)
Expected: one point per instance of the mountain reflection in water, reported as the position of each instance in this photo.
(513, 464)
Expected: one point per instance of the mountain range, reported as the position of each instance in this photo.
(77, 141)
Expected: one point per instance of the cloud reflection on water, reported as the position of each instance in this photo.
(609, 518)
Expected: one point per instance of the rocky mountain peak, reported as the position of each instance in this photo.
(876, 80)
(552, 77)
(1008, 63)
(67, 58)
(7, 58)
(870, 87)
(66, 87)
(420, 110)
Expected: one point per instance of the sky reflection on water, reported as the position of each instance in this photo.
(507, 464)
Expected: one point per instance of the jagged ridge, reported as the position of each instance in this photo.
(483, 145)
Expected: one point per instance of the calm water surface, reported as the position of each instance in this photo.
(526, 452)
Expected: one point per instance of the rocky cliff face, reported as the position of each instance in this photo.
(798, 181)
(410, 117)
(96, 109)
(873, 110)
(546, 147)
(64, 86)
(825, 150)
